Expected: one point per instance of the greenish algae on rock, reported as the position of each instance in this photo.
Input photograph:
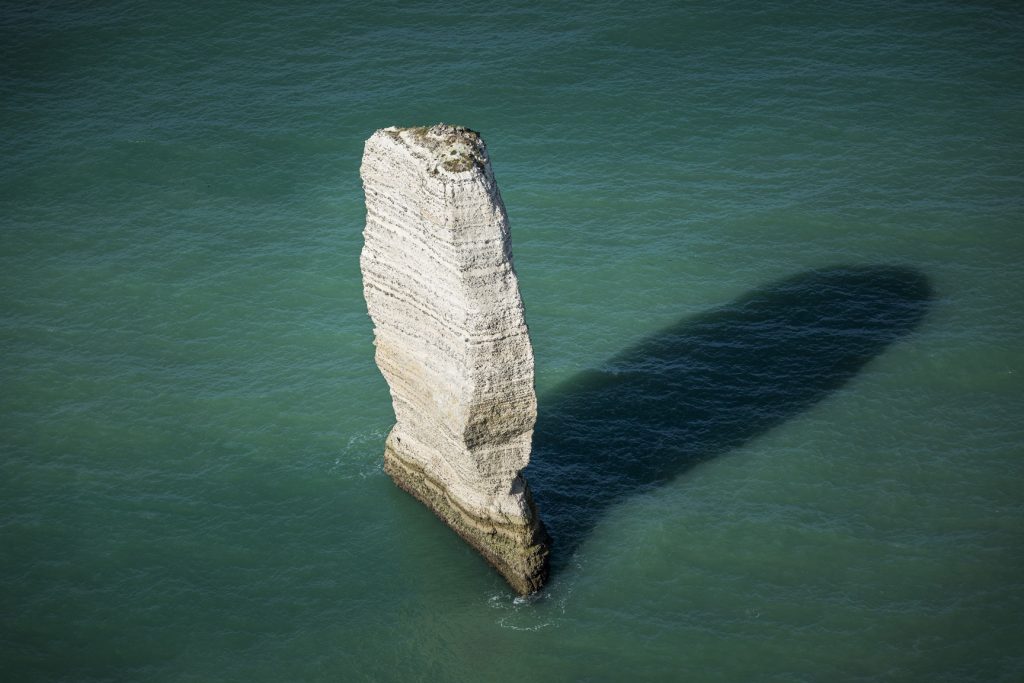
(518, 551)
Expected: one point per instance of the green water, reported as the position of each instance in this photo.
(771, 256)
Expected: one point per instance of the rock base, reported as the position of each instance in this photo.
(519, 552)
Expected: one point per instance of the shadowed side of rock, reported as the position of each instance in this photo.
(451, 341)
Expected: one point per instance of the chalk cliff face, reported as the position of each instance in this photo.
(451, 340)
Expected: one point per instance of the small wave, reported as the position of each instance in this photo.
(521, 613)
(360, 456)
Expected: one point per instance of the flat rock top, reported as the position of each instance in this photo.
(457, 149)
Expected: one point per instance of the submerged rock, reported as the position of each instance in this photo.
(452, 342)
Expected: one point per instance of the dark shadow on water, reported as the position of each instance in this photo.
(708, 384)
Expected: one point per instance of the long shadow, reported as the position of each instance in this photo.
(708, 384)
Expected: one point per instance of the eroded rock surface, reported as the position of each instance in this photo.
(452, 341)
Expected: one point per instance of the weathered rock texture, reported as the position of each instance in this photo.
(452, 342)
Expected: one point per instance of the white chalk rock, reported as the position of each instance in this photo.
(452, 341)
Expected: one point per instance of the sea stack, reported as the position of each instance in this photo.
(452, 341)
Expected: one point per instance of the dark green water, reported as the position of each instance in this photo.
(771, 255)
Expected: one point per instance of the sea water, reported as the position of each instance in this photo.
(771, 257)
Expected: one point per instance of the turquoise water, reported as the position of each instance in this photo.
(771, 259)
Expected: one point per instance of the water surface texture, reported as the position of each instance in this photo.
(771, 256)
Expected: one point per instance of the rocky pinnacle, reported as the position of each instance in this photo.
(452, 341)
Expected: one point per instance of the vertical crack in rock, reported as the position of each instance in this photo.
(452, 342)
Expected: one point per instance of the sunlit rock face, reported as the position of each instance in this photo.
(452, 341)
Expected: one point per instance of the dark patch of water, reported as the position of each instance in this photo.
(709, 383)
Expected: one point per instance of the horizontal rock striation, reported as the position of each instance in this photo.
(451, 341)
